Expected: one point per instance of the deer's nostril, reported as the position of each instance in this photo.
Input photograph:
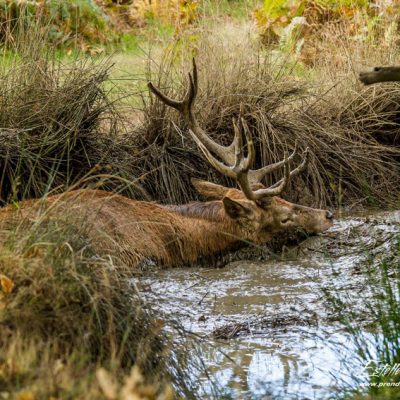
(329, 215)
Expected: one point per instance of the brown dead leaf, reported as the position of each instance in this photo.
(6, 284)
(25, 395)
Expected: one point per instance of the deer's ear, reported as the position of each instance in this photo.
(235, 209)
(208, 190)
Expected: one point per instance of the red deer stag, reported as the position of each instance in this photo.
(136, 231)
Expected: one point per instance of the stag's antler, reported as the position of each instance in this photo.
(185, 106)
(235, 164)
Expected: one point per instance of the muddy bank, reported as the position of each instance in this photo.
(269, 329)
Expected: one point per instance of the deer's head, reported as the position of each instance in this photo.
(257, 209)
(261, 220)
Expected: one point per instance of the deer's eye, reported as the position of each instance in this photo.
(285, 220)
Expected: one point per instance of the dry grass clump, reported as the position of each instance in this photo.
(376, 111)
(344, 125)
(59, 128)
(58, 124)
(65, 311)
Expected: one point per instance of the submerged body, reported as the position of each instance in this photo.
(137, 231)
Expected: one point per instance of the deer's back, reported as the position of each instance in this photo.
(132, 230)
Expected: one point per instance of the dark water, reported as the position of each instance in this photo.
(271, 333)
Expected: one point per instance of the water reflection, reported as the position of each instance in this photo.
(290, 346)
(290, 367)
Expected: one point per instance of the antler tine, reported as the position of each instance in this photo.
(233, 163)
(218, 165)
(298, 169)
(249, 160)
(185, 107)
(164, 98)
(278, 188)
(192, 91)
(195, 80)
(242, 165)
(237, 144)
(256, 175)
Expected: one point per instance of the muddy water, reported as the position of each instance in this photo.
(270, 332)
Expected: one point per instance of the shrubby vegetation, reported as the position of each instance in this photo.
(71, 325)
(91, 26)
(67, 312)
(77, 136)
(374, 330)
(309, 26)
(68, 24)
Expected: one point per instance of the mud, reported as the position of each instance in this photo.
(270, 331)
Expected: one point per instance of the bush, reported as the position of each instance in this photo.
(65, 311)
(58, 124)
(350, 131)
(78, 24)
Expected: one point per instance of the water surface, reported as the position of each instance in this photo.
(270, 331)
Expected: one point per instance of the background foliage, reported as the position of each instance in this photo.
(68, 121)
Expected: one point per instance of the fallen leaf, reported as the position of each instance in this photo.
(26, 395)
(6, 284)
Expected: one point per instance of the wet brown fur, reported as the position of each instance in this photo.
(137, 231)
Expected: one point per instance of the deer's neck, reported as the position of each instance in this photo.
(207, 231)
